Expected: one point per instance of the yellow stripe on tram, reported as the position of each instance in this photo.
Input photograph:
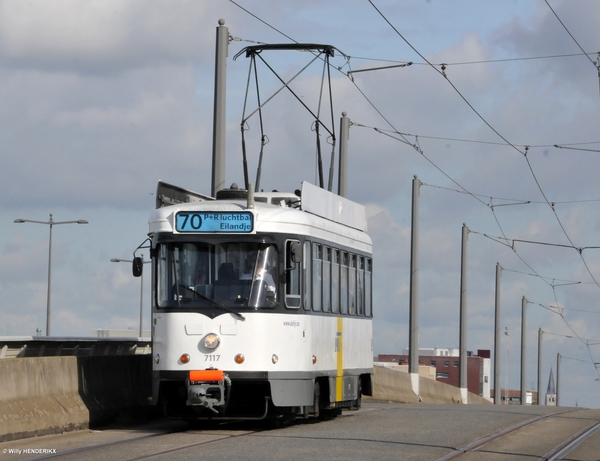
(339, 380)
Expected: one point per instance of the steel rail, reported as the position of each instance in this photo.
(192, 445)
(570, 444)
(490, 438)
(105, 445)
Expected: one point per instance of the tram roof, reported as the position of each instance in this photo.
(319, 213)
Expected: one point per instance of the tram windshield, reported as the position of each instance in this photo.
(202, 275)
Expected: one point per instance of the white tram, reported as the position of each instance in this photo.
(261, 305)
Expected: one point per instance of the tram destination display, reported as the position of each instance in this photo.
(215, 221)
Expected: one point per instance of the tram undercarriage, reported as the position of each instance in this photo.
(222, 399)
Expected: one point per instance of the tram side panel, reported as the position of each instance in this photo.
(357, 353)
(342, 347)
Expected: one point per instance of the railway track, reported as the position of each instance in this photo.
(162, 443)
(503, 442)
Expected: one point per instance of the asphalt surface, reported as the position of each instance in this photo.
(379, 431)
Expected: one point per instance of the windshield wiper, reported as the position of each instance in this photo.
(214, 303)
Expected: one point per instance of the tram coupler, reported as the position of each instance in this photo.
(207, 389)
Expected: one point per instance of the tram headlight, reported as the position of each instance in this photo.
(211, 341)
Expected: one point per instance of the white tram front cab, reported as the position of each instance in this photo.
(261, 305)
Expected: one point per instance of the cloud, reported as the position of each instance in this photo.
(93, 132)
(100, 37)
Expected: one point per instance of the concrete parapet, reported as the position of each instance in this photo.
(477, 399)
(49, 395)
(390, 384)
(435, 392)
(112, 386)
(395, 385)
(40, 396)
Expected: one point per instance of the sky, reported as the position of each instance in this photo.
(497, 117)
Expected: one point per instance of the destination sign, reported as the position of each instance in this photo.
(215, 221)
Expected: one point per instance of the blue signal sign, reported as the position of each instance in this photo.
(215, 221)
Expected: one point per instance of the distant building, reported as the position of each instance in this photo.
(437, 351)
(513, 397)
(551, 392)
(446, 362)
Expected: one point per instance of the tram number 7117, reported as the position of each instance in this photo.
(212, 358)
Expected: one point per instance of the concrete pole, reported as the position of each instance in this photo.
(343, 173)
(413, 335)
(558, 357)
(506, 380)
(539, 367)
(463, 317)
(49, 296)
(497, 336)
(219, 114)
(523, 344)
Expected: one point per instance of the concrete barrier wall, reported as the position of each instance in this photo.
(49, 395)
(112, 387)
(395, 385)
(435, 392)
(477, 399)
(40, 396)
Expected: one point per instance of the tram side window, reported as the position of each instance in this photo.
(344, 283)
(326, 279)
(360, 286)
(163, 284)
(292, 274)
(352, 285)
(368, 287)
(335, 281)
(306, 266)
(317, 278)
